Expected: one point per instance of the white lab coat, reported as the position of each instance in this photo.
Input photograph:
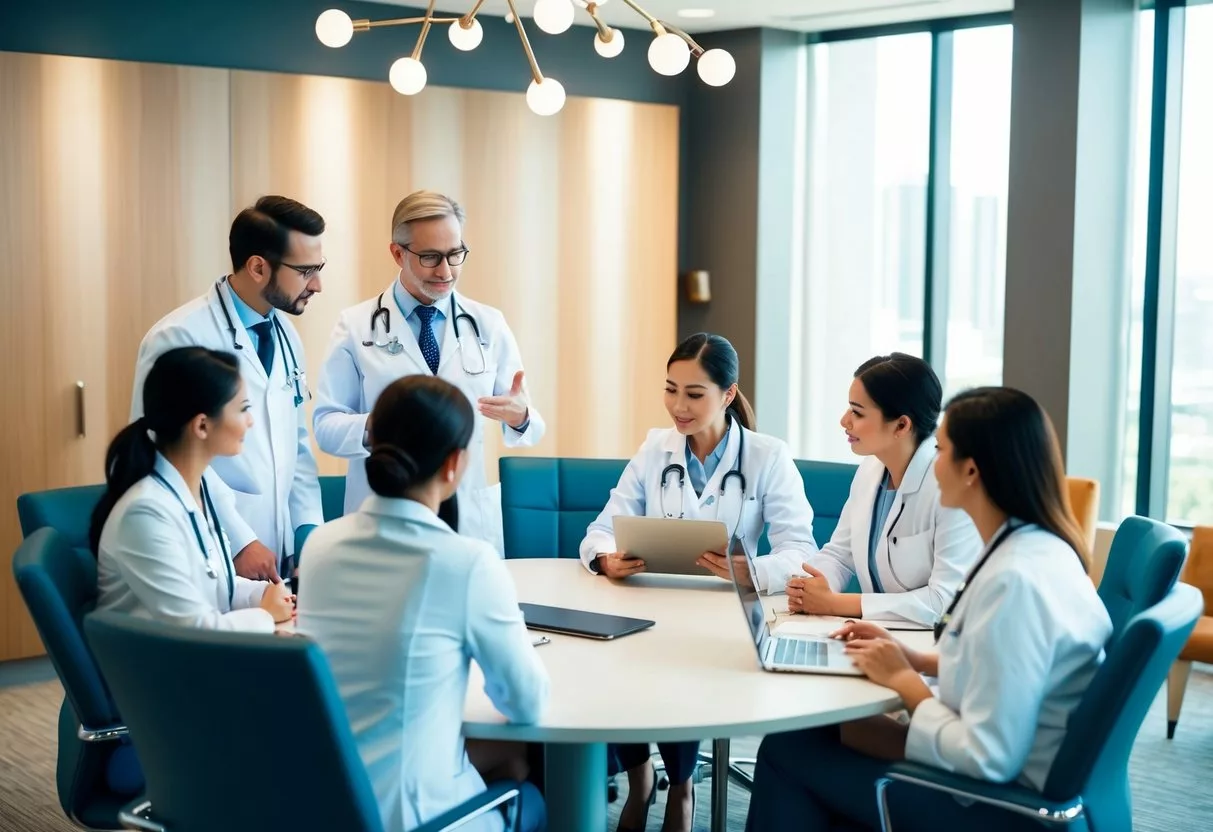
(924, 552)
(1022, 646)
(774, 496)
(354, 376)
(274, 478)
(400, 604)
(149, 564)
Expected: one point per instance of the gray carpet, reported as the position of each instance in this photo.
(1171, 780)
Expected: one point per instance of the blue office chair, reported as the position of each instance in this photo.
(96, 771)
(547, 503)
(1089, 780)
(332, 497)
(204, 703)
(1143, 564)
(66, 510)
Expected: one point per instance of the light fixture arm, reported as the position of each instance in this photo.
(605, 33)
(536, 75)
(465, 22)
(654, 23)
(366, 25)
(425, 30)
(696, 49)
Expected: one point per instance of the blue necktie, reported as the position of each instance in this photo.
(426, 339)
(265, 343)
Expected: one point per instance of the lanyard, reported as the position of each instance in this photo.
(206, 557)
(946, 618)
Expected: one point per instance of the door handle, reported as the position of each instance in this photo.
(80, 409)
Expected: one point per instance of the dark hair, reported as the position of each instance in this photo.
(719, 360)
(264, 230)
(1011, 440)
(903, 385)
(416, 424)
(183, 383)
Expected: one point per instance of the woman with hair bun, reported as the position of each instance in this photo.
(400, 603)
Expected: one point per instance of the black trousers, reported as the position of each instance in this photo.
(679, 758)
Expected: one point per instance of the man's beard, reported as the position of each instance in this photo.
(279, 299)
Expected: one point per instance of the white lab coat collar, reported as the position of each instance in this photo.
(920, 463)
(248, 352)
(176, 482)
(402, 509)
(675, 446)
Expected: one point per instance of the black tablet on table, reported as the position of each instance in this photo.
(581, 623)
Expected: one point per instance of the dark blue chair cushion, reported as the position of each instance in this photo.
(332, 497)
(66, 510)
(1143, 564)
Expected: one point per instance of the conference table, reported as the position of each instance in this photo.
(694, 675)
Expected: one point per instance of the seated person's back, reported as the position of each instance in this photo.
(400, 604)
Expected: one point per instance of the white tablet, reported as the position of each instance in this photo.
(667, 545)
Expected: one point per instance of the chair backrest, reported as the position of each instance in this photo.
(332, 497)
(202, 704)
(1143, 564)
(59, 585)
(66, 510)
(547, 503)
(1093, 760)
(1084, 505)
(1198, 571)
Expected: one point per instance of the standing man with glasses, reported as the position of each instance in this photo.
(419, 324)
(274, 497)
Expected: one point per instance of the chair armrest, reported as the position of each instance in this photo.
(488, 800)
(1006, 796)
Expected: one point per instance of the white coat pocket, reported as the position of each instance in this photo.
(910, 559)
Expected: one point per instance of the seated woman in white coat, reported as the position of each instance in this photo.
(711, 442)
(400, 603)
(1017, 648)
(161, 551)
(908, 552)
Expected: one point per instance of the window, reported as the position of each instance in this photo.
(868, 134)
(976, 258)
(1190, 470)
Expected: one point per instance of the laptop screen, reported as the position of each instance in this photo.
(751, 605)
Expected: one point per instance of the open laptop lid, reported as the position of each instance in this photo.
(751, 607)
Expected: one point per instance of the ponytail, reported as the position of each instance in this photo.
(742, 411)
(131, 457)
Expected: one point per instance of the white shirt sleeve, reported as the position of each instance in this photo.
(789, 518)
(1006, 642)
(627, 498)
(515, 679)
(510, 363)
(956, 546)
(339, 418)
(149, 555)
(836, 560)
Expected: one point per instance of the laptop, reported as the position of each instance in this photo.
(669, 546)
(798, 653)
(580, 623)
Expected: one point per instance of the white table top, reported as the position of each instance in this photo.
(694, 675)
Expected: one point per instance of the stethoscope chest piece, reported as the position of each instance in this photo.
(394, 347)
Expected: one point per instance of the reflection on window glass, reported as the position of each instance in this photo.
(980, 155)
(868, 136)
(1190, 480)
(1126, 489)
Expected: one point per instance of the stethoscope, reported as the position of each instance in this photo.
(218, 533)
(734, 472)
(392, 345)
(946, 618)
(295, 377)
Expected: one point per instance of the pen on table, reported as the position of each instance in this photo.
(541, 641)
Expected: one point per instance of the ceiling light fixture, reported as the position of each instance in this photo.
(696, 14)
(669, 52)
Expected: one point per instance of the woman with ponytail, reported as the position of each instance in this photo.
(690, 470)
(161, 551)
(400, 604)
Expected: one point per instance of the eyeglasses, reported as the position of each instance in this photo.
(306, 272)
(430, 259)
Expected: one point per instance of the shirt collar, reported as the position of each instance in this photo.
(247, 315)
(406, 303)
(401, 509)
(169, 473)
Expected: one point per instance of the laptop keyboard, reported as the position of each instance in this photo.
(799, 652)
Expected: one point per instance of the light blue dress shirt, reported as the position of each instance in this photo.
(407, 304)
(885, 495)
(250, 317)
(701, 472)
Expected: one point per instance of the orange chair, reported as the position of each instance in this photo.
(1198, 572)
(1084, 504)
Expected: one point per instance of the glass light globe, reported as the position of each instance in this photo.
(509, 18)
(554, 16)
(669, 54)
(407, 76)
(546, 98)
(611, 48)
(467, 39)
(716, 67)
(334, 28)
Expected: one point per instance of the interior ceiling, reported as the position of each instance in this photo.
(800, 15)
